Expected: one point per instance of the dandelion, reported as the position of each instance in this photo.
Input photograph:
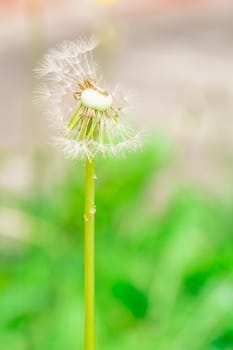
(82, 111)
(88, 122)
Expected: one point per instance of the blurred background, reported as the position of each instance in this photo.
(164, 249)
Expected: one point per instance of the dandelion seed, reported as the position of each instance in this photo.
(81, 109)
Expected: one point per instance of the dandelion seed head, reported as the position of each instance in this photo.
(94, 99)
(89, 119)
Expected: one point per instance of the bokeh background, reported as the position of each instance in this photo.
(164, 250)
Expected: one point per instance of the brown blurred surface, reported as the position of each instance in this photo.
(177, 65)
(170, 64)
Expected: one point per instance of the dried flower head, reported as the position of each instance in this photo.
(81, 109)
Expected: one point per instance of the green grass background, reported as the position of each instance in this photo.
(164, 279)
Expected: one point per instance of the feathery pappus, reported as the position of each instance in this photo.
(83, 111)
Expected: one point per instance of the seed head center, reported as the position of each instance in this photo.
(96, 98)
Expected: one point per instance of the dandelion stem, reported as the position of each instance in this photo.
(89, 256)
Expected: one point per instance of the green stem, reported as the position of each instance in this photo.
(89, 256)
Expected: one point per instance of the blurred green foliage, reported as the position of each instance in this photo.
(163, 281)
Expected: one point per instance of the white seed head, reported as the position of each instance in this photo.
(96, 100)
(82, 111)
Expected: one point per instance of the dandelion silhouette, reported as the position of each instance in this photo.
(88, 123)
